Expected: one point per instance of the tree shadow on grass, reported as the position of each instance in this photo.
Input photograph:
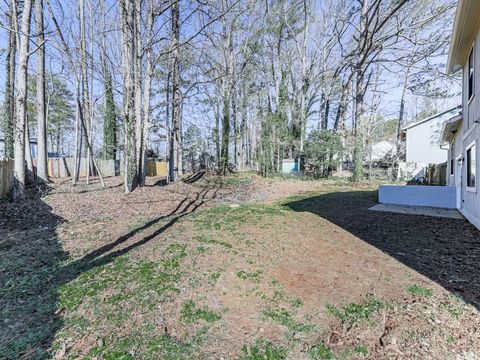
(33, 266)
(445, 250)
(191, 179)
(194, 177)
(30, 258)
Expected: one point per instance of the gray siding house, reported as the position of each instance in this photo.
(459, 134)
(462, 133)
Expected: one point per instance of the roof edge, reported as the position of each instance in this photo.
(451, 68)
(455, 121)
(464, 32)
(459, 107)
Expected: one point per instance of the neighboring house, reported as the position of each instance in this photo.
(420, 147)
(382, 151)
(462, 133)
(33, 147)
(422, 138)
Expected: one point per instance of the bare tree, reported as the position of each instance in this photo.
(127, 14)
(42, 157)
(9, 103)
(21, 103)
(176, 137)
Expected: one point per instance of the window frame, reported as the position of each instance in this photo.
(468, 167)
(471, 74)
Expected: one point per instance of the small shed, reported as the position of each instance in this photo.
(291, 166)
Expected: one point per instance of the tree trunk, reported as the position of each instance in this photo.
(9, 104)
(20, 124)
(78, 135)
(85, 101)
(42, 155)
(235, 127)
(243, 129)
(147, 92)
(360, 88)
(225, 135)
(28, 155)
(342, 105)
(110, 117)
(138, 78)
(128, 64)
(226, 94)
(303, 106)
(217, 136)
(176, 92)
(170, 146)
(401, 115)
(326, 115)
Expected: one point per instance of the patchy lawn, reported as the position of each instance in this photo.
(234, 268)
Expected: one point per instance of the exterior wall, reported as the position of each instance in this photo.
(471, 199)
(471, 109)
(33, 149)
(433, 196)
(455, 150)
(289, 166)
(423, 142)
(471, 132)
(408, 171)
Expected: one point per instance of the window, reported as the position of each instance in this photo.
(471, 71)
(471, 166)
(452, 159)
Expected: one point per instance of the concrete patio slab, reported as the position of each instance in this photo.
(418, 210)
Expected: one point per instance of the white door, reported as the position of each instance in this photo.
(458, 180)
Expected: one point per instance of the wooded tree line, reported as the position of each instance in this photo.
(243, 81)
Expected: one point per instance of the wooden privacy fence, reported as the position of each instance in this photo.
(64, 167)
(6, 177)
(156, 168)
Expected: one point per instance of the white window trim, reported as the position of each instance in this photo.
(459, 179)
(459, 159)
(472, 52)
(472, 189)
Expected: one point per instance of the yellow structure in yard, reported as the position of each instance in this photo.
(157, 168)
